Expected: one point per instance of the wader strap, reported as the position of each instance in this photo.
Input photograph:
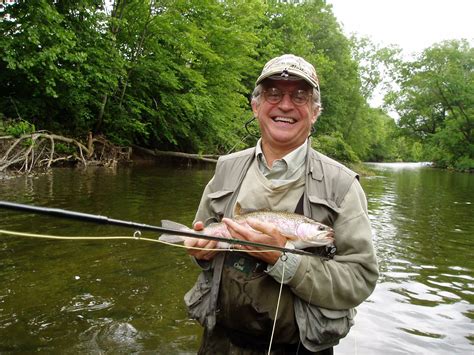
(299, 206)
(228, 179)
(216, 280)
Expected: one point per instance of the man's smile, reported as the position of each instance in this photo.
(284, 119)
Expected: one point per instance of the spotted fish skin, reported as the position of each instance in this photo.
(299, 230)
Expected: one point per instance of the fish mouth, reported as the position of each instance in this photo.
(328, 235)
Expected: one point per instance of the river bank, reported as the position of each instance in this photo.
(40, 151)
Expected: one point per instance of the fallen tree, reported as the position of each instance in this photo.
(42, 150)
(208, 158)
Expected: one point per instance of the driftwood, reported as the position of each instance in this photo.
(158, 153)
(42, 150)
(39, 150)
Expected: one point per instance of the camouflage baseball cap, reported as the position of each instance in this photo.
(287, 67)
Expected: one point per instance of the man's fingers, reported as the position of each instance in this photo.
(237, 230)
(262, 227)
(200, 243)
(199, 248)
(198, 226)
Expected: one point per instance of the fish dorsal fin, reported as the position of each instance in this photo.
(239, 211)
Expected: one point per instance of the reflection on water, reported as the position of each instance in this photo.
(126, 296)
(423, 230)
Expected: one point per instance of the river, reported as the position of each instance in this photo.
(125, 296)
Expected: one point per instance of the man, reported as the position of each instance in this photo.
(237, 294)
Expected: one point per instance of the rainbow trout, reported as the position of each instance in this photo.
(299, 230)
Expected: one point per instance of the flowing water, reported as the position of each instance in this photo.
(125, 296)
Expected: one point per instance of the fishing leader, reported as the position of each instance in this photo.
(237, 293)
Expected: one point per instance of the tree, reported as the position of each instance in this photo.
(185, 65)
(435, 102)
(57, 62)
(177, 75)
(311, 30)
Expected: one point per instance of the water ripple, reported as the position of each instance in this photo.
(87, 302)
(107, 336)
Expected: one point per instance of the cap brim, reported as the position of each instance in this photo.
(289, 78)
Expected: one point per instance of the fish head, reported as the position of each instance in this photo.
(314, 235)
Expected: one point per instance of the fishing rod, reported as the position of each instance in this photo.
(56, 212)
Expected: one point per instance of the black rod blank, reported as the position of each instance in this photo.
(61, 213)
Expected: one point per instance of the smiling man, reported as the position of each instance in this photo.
(237, 294)
(290, 105)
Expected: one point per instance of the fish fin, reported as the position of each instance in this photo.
(172, 225)
(289, 236)
(239, 211)
(172, 238)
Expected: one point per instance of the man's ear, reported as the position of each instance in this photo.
(315, 115)
(254, 108)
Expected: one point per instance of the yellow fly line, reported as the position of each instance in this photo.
(136, 236)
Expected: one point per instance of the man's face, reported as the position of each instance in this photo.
(285, 125)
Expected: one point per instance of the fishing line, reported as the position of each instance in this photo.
(283, 258)
(136, 236)
(56, 212)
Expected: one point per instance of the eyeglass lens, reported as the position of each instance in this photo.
(298, 97)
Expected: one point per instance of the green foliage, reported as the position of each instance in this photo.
(57, 62)
(435, 103)
(168, 74)
(376, 65)
(182, 89)
(63, 148)
(335, 147)
(416, 152)
(310, 30)
(178, 74)
(18, 128)
(464, 164)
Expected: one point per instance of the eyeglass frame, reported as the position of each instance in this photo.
(292, 95)
(257, 93)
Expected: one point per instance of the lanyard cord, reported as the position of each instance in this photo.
(283, 258)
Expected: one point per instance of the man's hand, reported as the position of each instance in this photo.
(259, 232)
(201, 243)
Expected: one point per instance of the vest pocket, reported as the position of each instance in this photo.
(197, 299)
(218, 202)
(322, 325)
(323, 210)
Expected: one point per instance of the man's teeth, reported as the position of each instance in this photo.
(284, 119)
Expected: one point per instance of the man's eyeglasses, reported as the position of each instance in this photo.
(298, 97)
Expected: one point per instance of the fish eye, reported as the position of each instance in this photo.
(321, 228)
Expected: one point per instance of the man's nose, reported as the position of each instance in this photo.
(286, 103)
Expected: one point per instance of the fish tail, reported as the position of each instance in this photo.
(172, 238)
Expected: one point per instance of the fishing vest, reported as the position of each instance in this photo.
(326, 183)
